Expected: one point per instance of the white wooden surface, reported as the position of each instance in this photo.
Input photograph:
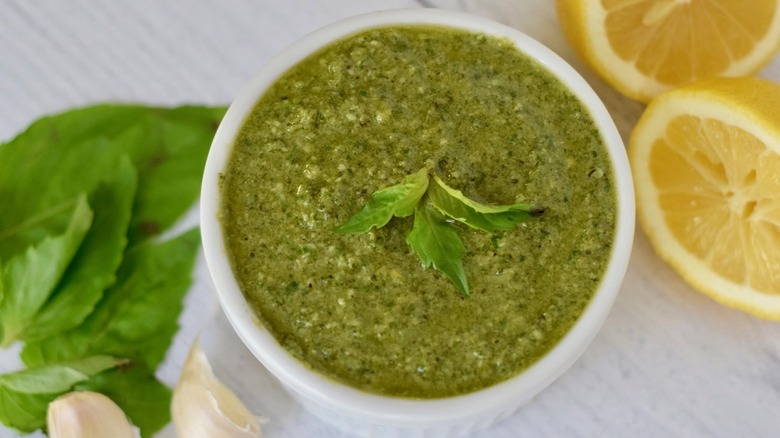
(668, 362)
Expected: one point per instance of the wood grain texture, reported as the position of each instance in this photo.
(668, 362)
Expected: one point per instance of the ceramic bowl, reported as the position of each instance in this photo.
(358, 412)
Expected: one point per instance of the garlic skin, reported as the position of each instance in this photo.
(85, 414)
(204, 407)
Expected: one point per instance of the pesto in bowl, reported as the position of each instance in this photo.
(359, 115)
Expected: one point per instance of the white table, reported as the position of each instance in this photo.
(668, 362)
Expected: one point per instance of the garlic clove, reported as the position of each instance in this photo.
(203, 406)
(85, 414)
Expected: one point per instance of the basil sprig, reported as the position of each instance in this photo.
(436, 206)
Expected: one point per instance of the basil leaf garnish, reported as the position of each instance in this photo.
(398, 200)
(437, 244)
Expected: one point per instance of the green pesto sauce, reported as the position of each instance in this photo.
(360, 115)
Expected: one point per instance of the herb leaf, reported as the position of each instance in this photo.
(398, 200)
(437, 243)
(136, 320)
(25, 395)
(60, 156)
(30, 277)
(490, 218)
(133, 320)
(94, 266)
(140, 395)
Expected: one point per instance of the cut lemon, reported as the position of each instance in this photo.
(706, 164)
(644, 47)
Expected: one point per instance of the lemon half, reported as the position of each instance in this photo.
(645, 47)
(706, 164)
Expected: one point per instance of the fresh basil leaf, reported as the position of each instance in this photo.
(398, 200)
(59, 377)
(140, 395)
(38, 178)
(94, 266)
(437, 243)
(137, 317)
(23, 412)
(30, 277)
(25, 395)
(169, 149)
(490, 218)
(62, 155)
(49, 222)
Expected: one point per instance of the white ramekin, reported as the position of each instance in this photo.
(362, 413)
